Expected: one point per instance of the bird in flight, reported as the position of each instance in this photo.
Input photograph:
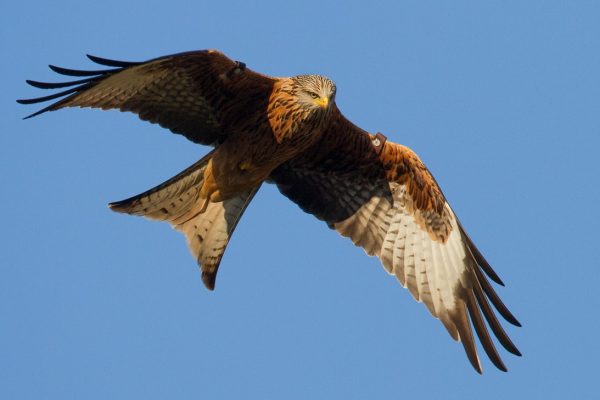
(290, 132)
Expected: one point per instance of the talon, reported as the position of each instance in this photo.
(244, 166)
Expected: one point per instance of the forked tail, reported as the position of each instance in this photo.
(177, 201)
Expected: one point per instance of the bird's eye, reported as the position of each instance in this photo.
(313, 95)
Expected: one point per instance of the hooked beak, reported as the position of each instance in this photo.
(323, 102)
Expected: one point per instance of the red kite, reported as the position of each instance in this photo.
(289, 131)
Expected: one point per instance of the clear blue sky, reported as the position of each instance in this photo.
(501, 100)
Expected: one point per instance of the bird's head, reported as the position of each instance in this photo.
(314, 92)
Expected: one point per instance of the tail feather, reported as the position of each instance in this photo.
(177, 201)
(208, 233)
(169, 200)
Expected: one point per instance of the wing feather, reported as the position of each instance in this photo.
(193, 94)
(390, 205)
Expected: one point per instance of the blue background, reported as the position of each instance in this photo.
(501, 101)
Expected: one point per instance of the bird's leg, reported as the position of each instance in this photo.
(213, 196)
(227, 175)
(209, 192)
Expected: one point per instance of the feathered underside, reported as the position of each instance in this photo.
(379, 195)
(390, 205)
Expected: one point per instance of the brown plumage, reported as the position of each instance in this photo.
(288, 131)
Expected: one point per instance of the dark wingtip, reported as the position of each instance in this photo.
(498, 280)
(24, 101)
(481, 261)
(34, 84)
(76, 72)
(508, 316)
(54, 106)
(90, 79)
(30, 116)
(495, 299)
(485, 266)
(111, 63)
(35, 113)
(58, 85)
(52, 96)
(482, 332)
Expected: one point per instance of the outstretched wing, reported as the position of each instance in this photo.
(388, 203)
(192, 94)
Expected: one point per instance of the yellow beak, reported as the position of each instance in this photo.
(322, 102)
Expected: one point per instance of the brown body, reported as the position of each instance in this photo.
(288, 131)
(255, 146)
